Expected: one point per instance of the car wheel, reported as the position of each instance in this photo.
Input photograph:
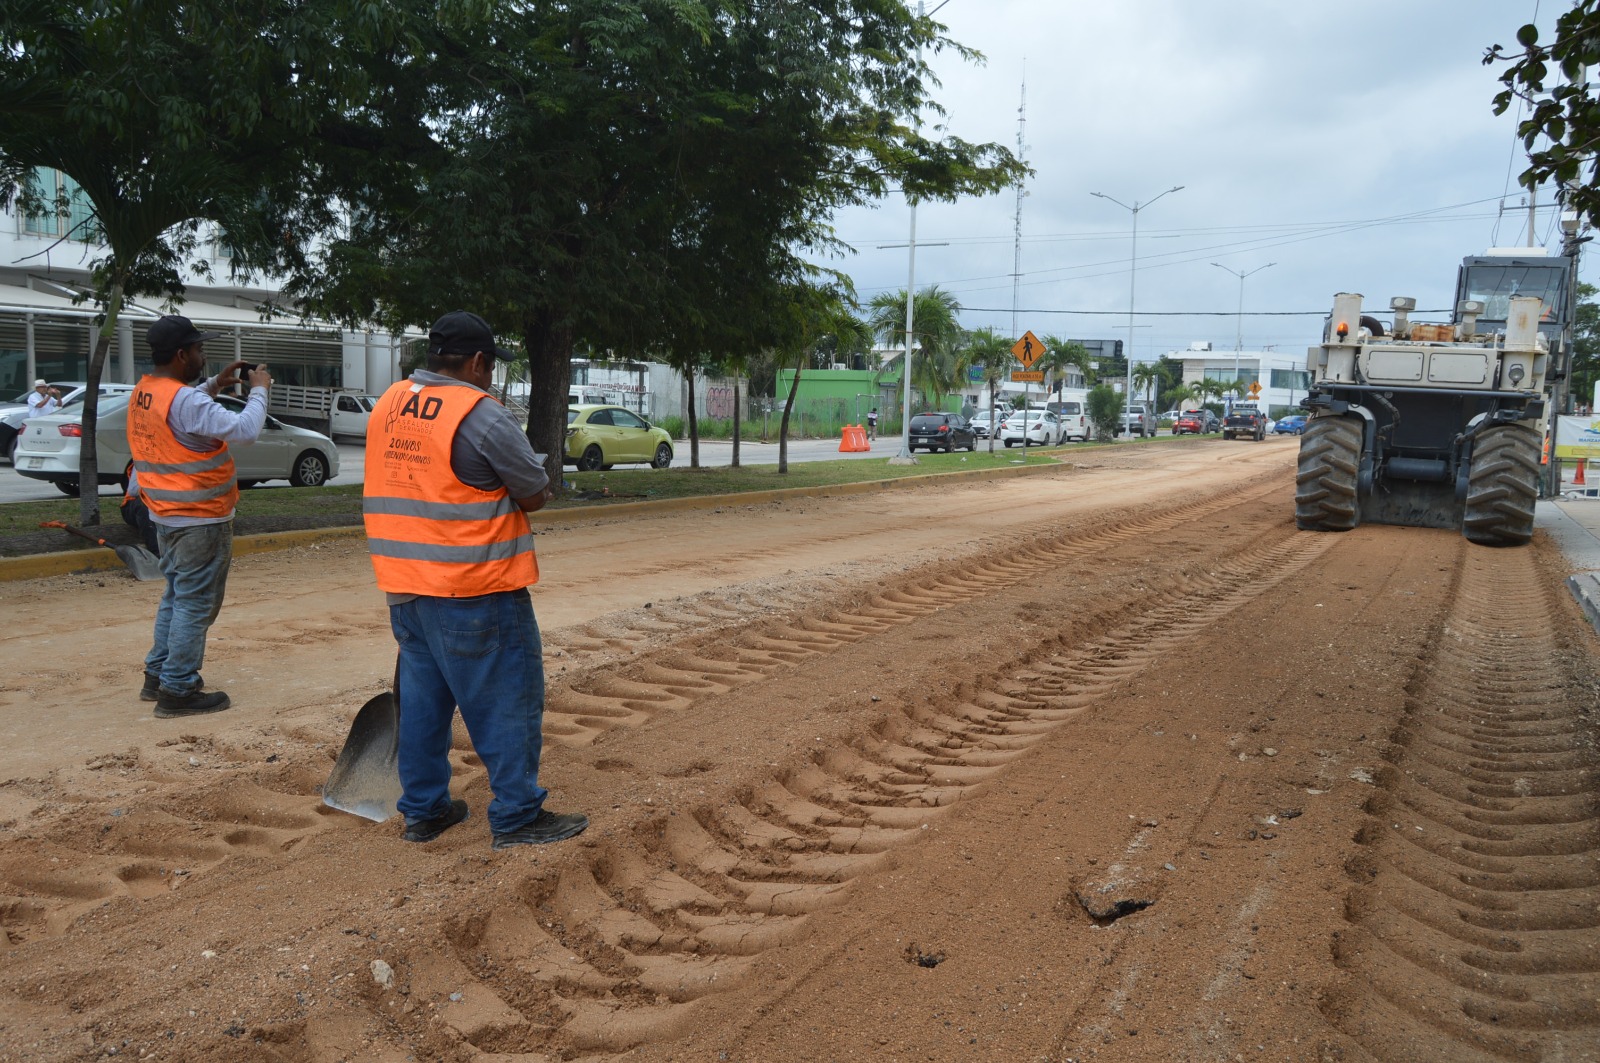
(663, 457)
(11, 448)
(591, 458)
(66, 487)
(1010, 443)
(244, 485)
(607, 468)
(950, 447)
(310, 470)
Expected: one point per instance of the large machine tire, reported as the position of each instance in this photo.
(1502, 485)
(1325, 484)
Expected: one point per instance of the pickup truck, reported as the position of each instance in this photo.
(1136, 421)
(1245, 421)
(334, 411)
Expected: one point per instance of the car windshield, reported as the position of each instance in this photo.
(926, 421)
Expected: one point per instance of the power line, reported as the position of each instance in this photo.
(1172, 313)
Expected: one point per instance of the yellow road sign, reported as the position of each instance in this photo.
(1255, 389)
(1027, 350)
(1025, 376)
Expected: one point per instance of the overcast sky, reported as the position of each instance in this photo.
(1352, 143)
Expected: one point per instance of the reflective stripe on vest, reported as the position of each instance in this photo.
(428, 532)
(174, 480)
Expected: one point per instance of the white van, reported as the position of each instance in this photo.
(1072, 410)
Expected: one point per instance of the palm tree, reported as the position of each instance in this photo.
(1145, 377)
(938, 334)
(991, 351)
(1069, 352)
(1181, 394)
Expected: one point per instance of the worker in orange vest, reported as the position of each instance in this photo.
(179, 435)
(450, 479)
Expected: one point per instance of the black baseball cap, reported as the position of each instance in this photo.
(174, 331)
(461, 332)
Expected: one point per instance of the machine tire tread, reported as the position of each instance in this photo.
(1502, 486)
(1325, 481)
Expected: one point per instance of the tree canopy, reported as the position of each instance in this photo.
(1561, 105)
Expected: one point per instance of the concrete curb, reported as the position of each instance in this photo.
(87, 561)
(1586, 588)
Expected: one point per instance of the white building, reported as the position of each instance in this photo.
(46, 332)
(1282, 374)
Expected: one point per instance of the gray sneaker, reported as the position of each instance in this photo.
(545, 828)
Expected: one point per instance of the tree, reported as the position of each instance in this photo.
(1147, 375)
(1585, 345)
(989, 351)
(1180, 395)
(817, 313)
(1561, 104)
(169, 114)
(1105, 410)
(934, 364)
(647, 177)
(1070, 352)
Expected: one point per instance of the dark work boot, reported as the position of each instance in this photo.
(195, 703)
(152, 686)
(545, 828)
(425, 830)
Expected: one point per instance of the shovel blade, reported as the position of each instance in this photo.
(141, 562)
(365, 780)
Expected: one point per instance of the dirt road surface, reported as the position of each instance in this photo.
(1106, 764)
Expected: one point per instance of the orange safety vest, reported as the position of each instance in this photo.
(174, 480)
(428, 532)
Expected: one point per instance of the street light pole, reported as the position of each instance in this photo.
(1238, 338)
(905, 457)
(1133, 265)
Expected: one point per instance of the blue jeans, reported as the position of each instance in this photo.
(483, 655)
(195, 561)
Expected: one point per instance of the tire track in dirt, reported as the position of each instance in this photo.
(613, 952)
(1475, 914)
(585, 707)
(253, 820)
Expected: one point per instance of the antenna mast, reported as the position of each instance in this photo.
(1016, 262)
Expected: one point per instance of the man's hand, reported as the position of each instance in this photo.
(259, 377)
(227, 378)
(536, 502)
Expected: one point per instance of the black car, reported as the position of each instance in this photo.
(942, 431)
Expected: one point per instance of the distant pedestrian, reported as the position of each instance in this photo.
(872, 423)
(43, 400)
(446, 505)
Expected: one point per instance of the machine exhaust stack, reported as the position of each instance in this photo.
(1402, 305)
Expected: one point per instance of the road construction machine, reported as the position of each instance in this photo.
(1438, 425)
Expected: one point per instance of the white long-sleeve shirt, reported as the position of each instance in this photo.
(198, 420)
(41, 405)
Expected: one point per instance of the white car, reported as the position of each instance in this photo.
(49, 446)
(1031, 428)
(980, 422)
(12, 414)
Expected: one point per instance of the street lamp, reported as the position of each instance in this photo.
(1238, 339)
(1133, 258)
(905, 457)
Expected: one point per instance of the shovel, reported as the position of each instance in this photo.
(142, 563)
(365, 780)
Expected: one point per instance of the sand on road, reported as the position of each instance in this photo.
(1108, 763)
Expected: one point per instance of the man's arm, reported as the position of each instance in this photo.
(195, 413)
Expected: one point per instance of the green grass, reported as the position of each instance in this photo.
(341, 505)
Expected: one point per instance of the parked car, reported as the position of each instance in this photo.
(599, 437)
(1031, 428)
(12, 414)
(48, 449)
(1135, 421)
(1195, 422)
(980, 423)
(1292, 425)
(941, 431)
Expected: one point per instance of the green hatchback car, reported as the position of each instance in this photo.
(599, 437)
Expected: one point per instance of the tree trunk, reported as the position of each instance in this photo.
(88, 458)
(783, 424)
(735, 462)
(694, 421)
(549, 347)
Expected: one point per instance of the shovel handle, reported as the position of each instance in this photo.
(79, 532)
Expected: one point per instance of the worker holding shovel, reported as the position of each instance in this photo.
(448, 486)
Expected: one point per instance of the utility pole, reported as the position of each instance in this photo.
(1016, 254)
(1238, 338)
